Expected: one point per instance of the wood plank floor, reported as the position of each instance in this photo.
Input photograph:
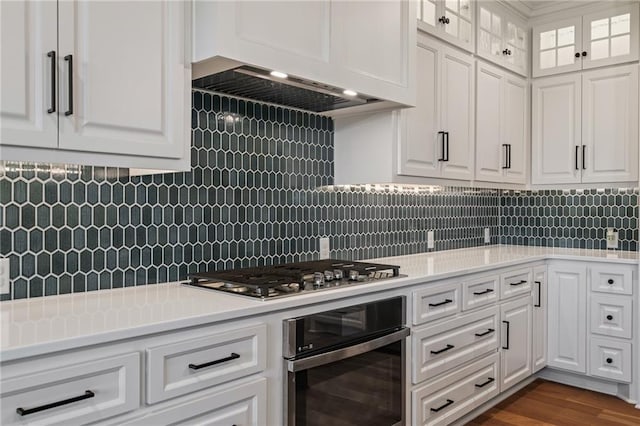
(548, 403)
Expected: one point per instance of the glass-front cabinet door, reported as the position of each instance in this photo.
(450, 20)
(502, 37)
(610, 37)
(557, 47)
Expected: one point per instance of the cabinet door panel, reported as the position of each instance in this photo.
(567, 329)
(610, 125)
(420, 144)
(131, 85)
(28, 33)
(515, 128)
(490, 153)
(457, 84)
(556, 130)
(516, 342)
(610, 36)
(555, 46)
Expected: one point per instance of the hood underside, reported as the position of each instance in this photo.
(257, 84)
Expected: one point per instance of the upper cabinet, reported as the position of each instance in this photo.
(451, 20)
(585, 127)
(101, 83)
(597, 39)
(366, 46)
(502, 37)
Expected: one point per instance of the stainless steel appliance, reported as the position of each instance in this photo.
(268, 282)
(347, 366)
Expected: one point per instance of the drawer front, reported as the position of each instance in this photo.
(76, 394)
(611, 315)
(515, 283)
(617, 279)
(480, 292)
(447, 399)
(610, 359)
(240, 405)
(444, 347)
(196, 364)
(435, 302)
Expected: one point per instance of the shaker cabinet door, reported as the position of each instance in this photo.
(125, 87)
(491, 152)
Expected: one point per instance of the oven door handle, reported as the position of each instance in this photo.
(348, 352)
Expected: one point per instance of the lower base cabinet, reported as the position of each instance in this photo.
(515, 359)
(445, 400)
(241, 405)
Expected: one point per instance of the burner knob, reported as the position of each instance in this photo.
(337, 273)
(318, 279)
(329, 276)
(354, 275)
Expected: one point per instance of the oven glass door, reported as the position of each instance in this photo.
(365, 389)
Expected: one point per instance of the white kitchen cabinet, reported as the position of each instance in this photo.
(122, 97)
(451, 20)
(539, 326)
(444, 147)
(28, 99)
(502, 37)
(501, 126)
(516, 335)
(365, 46)
(605, 37)
(585, 127)
(567, 316)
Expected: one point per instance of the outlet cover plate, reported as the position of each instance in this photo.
(325, 248)
(430, 240)
(5, 286)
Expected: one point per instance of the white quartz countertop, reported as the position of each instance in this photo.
(31, 327)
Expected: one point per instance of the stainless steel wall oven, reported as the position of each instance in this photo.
(347, 366)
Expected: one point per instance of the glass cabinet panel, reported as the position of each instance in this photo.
(450, 20)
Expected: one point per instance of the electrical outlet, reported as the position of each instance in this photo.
(612, 238)
(325, 248)
(4, 276)
(430, 240)
(487, 236)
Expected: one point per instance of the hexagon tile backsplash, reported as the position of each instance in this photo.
(259, 193)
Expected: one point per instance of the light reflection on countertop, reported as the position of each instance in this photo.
(37, 326)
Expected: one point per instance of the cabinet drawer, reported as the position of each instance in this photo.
(435, 302)
(77, 394)
(191, 365)
(443, 347)
(515, 283)
(611, 315)
(480, 292)
(612, 278)
(610, 359)
(240, 405)
(451, 397)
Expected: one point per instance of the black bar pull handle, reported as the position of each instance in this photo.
(442, 407)
(506, 156)
(478, 293)
(584, 163)
(26, 411)
(577, 149)
(442, 157)
(444, 302)
(448, 347)
(509, 146)
(508, 329)
(489, 331)
(69, 59)
(539, 303)
(447, 135)
(52, 55)
(217, 361)
(489, 380)
(518, 283)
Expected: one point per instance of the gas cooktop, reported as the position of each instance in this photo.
(268, 282)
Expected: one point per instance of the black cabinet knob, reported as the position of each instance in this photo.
(609, 317)
(584, 53)
(577, 54)
(443, 20)
(610, 281)
(609, 360)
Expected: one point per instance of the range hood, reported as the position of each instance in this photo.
(260, 85)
